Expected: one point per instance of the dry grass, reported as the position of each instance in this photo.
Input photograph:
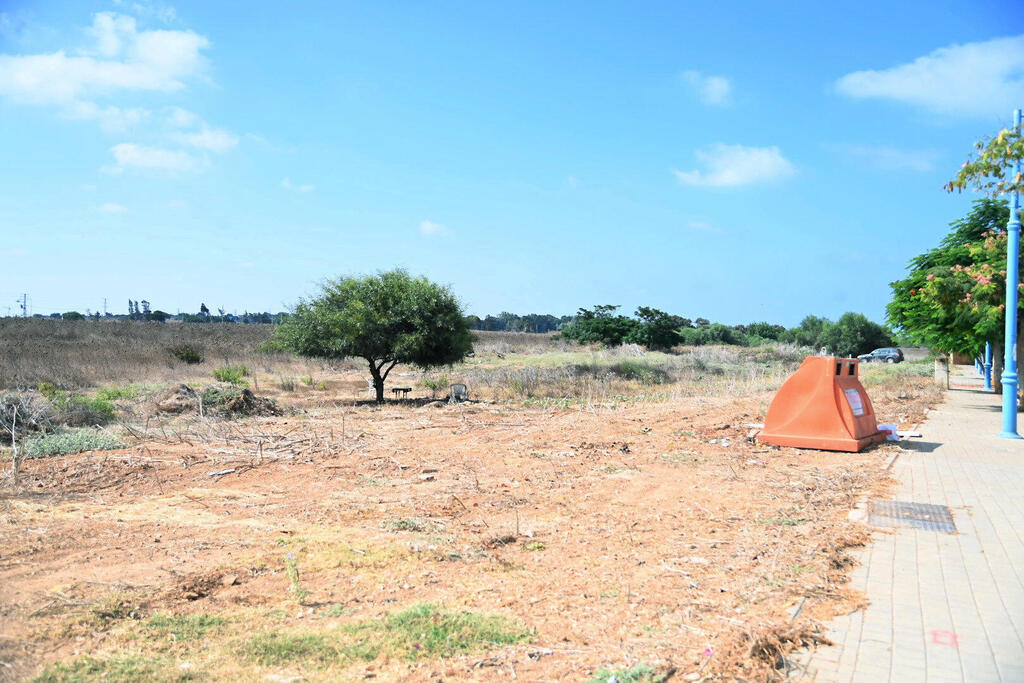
(80, 354)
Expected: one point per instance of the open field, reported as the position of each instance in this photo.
(586, 511)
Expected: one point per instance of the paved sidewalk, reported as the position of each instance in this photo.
(943, 607)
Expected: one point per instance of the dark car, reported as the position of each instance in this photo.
(886, 355)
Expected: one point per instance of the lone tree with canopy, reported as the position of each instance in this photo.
(385, 319)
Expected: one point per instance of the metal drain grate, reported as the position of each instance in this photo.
(895, 513)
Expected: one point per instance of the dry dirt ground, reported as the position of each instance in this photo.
(652, 533)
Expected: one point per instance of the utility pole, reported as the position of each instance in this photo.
(24, 305)
(1012, 280)
(104, 307)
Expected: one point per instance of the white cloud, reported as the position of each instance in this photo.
(110, 118)
(287, 184)
(893, 158)
(733, 165)
(180, 118)
(212, 139)
(711, 90)
(136, 156)
(432, 228)
(973, 79)
(110, 207)
(127, 60)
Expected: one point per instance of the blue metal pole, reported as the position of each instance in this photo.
(1012, 280)
(988, 366)
(977, 366)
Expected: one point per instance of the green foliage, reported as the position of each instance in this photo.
(116, 393)
(69, 442)
(183, 627)
(853, 334)
(75, 410)
(277, 649)
(126, 669)
(992, 168)
(657, 330)
(807, 333)
(641, 673)
(232, 374)
(712, 333)
(930, 306)
(440, 383)
(427, 631)
(291, 570)
(386, 319)
(600, 326)
(72, 315)
(187, 353)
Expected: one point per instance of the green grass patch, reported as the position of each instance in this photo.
(69, 442)
(127, 669)
(116, 393)
(427, 631)
(640, 673)
(420, 632)
(183, 627)
(275, 648)
(232, 374)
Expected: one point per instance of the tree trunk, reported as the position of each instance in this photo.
(378, 382)
(379, 377)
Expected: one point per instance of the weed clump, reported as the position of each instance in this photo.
(232, 374)
(186, 353)
(22, 414)
(69, 442)
(76, 410)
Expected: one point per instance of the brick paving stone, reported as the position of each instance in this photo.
(943, 607)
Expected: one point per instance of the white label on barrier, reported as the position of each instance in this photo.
(853, 398)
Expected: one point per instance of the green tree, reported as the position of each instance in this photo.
(853, 334)
(600, 325)
(657, 329)
(72, 315)
(385, 319)
(992, 169)
(807, 333)
(937, 319)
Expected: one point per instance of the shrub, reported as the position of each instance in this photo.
(187, 353)
(23, 413)
(641, 371)
(232, 374)
(69, 442)
(230, 401)
(436, 385)
(75, 410)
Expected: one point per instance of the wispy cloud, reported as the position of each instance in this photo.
(711, 90)
(128, 155)
(210, 139)
(735, 165)
(110, 207)
(892, 158)
(181, 118)
(288, 185)
(432, 228)
(973, 79)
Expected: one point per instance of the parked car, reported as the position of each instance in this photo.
(886, 355)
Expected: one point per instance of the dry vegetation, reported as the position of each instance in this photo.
(588, 512)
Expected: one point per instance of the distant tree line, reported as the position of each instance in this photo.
(510, 322)
(852, 334)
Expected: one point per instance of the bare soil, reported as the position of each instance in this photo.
(654, 533)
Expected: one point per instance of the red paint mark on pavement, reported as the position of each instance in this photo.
(946, 638)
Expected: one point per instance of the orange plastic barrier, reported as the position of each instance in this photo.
(822, 405)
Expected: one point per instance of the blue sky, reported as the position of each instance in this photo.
(736, 161)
